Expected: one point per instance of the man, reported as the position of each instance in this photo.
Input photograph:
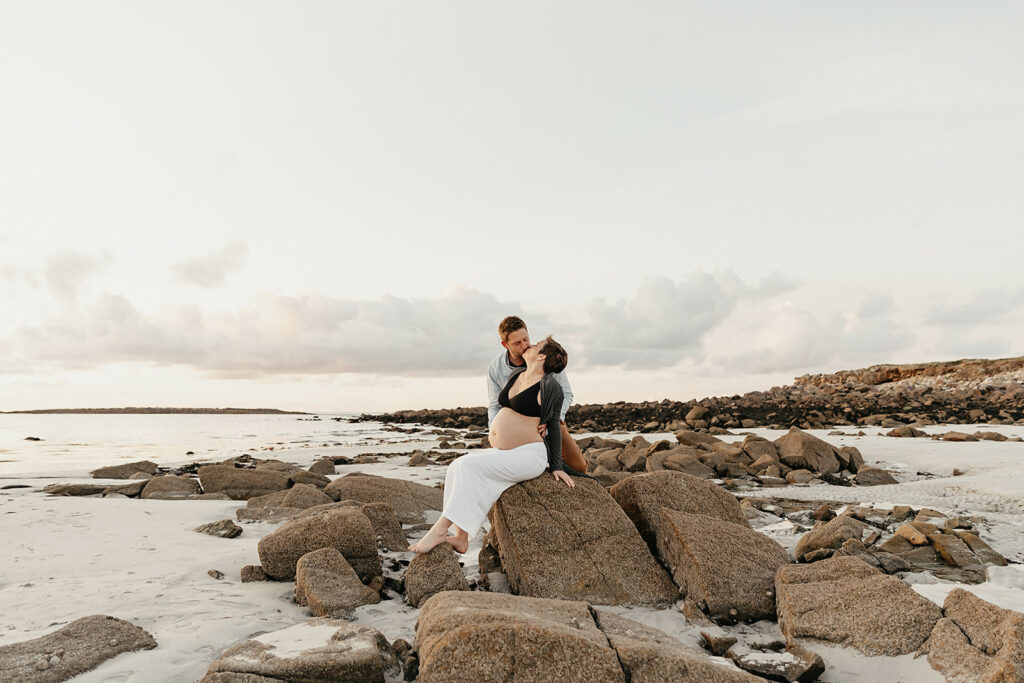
(516, 339)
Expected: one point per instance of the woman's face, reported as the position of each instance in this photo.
(535, 352)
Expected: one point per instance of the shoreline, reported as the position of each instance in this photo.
(155, 411)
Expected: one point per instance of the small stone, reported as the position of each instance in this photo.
(718, 644)
(216, 574)
(225, 528)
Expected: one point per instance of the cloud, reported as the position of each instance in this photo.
(455, 334)
(981, 307)
(210, 270)
(66, 270)
(667, 321)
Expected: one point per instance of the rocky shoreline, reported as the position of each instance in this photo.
(954, 392)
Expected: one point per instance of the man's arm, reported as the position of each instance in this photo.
(563, 382)
(492, 394)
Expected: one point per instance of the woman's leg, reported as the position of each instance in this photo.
(434, 537)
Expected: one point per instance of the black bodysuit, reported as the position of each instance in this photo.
(525, 402)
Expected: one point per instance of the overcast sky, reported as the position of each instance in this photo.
(329, 206)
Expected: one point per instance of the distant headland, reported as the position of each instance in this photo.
(158, 411)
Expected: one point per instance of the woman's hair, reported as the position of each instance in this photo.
(508, 325)
(555, 357)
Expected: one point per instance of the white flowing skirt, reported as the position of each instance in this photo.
(475, 480)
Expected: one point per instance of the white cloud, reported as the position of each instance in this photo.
(211, 269)
(65, 271)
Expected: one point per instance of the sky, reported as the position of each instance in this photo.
(328, 206)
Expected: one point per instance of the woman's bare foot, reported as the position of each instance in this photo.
(433, 538)
(459, 541)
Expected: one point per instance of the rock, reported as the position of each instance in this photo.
(170, 487)
(757, 447)
(331, 650)
(794, 664)
(696, 413)
(799, 476)
(854, 459)
(344, 528)
(873, 476)
(679, 461)
(133, 490)
(991, 436)
(696, 439)
(284, 504)
(717, 643)
(241, 484)
(976, 640)
(310, 478)
(953, 551)
(386, 526)
(71, 650)
(984, 552)
(823, 513)
(433, 572)
(420, 460)
(253, 572)
(643, 496)
(798, 449)
(126, 471)
(216, 574)
(323, 466)
(909, 532)
(304, 496)
(75, 489)
(225, 528)
(845, 601)
(906, 432)
(728, 569)
(560, 542)
(209, 496)
(477, 636)
(958, 436)
(327, 584)
(829, 535)
(409, 500)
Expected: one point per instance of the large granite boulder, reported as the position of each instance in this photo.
(575, 543)
(433, 572)
(315, 650)
(407, 499)
(386, 526)
(125, 471)
(241, 484)
(800, 450)
(477, 636)
(696, 439)
(757, 447)
(830, 535)
(322, 466)
(169, 487)
(643, 496)
(727, 569)
(327, 584)
(344, 528)
(976, 641)
(845, 601)
(76, 648)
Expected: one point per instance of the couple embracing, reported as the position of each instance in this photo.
(528, 397)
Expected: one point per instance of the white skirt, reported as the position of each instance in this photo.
(475, 480)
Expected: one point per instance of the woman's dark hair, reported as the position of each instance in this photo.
(555, 357)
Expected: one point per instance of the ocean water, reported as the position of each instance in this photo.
(75, 444)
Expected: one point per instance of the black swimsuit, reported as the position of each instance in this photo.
(525, 402)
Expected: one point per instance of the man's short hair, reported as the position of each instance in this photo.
(555, 357)
(509, 325)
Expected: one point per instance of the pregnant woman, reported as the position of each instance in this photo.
(474, 481)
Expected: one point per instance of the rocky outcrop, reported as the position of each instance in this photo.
(240, 483)
(727, 569)
(71, 650)
(976, 641)
(327, 584)
(642, 497)
(407, 499)
(126, 471)
(344, 528)
(332, 651)
(433, 572)
(476, 636)
(575, 543)
(845, 601)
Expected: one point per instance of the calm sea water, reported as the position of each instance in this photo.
(75, 444)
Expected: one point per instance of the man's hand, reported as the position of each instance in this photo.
(562, 476)
(542, 429)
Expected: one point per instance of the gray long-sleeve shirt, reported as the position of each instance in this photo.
(498, 373)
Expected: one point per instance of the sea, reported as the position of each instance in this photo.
(74, 444)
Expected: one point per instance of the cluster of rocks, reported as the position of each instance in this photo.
(794, 458)
(913, 432)
(969, 391)
(239, 478)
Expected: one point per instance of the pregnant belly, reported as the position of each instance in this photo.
(512, 430)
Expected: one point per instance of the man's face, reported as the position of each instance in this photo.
(516, 343)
